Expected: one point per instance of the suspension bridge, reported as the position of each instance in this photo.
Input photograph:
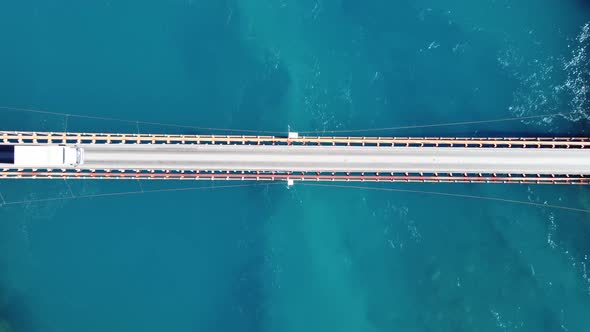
(292, 158)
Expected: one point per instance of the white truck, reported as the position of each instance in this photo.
(43, 156)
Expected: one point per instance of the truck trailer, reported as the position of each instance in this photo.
(40, 156)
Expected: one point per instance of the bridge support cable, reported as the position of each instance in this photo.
(454, 195)
(128, 193)
(308, 132)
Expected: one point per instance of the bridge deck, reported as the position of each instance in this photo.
(334, 159)
(551, 160)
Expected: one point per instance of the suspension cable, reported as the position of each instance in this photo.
(136, 122)
(438, 193)
(434, 125)
(135, 192)
(269, 132)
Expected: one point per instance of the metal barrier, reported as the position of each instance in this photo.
(298, 176)
(105, 138)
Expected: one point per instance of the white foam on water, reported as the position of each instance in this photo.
(316, 98)
(585, 275)
(579, 266)
(578, 79)
(551, 231)
(500, 322)
(548, 85)
(402, 226)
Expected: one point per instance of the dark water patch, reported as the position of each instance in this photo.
(456, 275)
(247, 292)
(167, 271)
(229, 81)
(440, 72)
(264, 95)
(20, 59)
(379, 16)
(585, 4)
(24, 190)
(245, 302)
(581, 128)
(16, 310)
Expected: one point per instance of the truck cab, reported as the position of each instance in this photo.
(73, 156)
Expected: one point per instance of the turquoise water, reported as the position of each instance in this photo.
(267, 258)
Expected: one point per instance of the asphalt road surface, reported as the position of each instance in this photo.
(336, 159)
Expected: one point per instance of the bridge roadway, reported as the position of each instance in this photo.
(336, 158)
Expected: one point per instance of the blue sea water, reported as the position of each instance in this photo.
(308, 258)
